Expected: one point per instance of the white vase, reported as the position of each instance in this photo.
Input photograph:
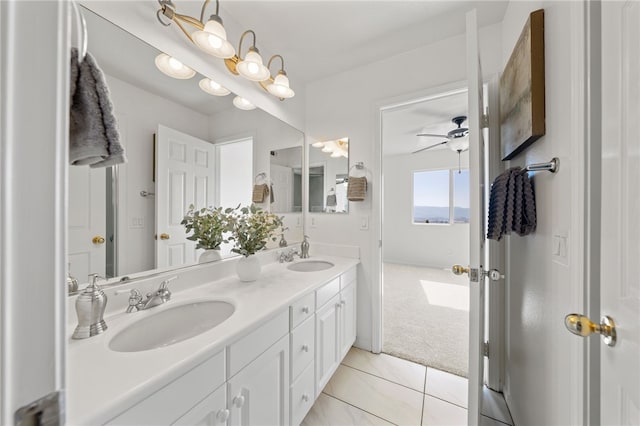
(248, 268)
(210, 255)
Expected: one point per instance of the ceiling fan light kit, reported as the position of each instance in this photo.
(212, 39)
(457, 139)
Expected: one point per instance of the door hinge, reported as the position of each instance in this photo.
(485, 349)
(43, 412)
(484, 121)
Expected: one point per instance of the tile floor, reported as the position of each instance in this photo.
(370, 389)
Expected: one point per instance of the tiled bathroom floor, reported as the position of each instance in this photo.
(370, 389)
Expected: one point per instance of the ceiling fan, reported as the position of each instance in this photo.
(456, 138)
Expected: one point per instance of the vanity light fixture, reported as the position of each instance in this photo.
(213, 88)
(173, 67)
(337, 148)
(242, 103)
(251, 67)
(280, 85)
(212, 38)
(318, 144)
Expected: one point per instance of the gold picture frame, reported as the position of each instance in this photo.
(522, 110)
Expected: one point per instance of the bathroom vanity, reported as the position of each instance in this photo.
(264, 364)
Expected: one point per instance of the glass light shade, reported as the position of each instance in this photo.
(329, 146)
(337, 153)
(318, 144)
(252, 68)
(459, 144)
(280, 87)
(242, 103)
(213, 39)
(173, 67)
(213, 88)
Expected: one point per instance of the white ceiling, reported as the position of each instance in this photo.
(317, 39)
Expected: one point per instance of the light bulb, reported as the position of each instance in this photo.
(213, 39)
(242, 103)
(251, 67)
(173, 67)
(213, 87)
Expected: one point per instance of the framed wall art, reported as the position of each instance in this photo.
(522, 112)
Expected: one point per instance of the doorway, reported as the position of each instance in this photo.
(425, 231)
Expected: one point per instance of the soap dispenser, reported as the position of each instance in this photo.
(304, 248)
(90, 306)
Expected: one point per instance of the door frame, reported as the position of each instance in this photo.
(33, 300)
(496, 305)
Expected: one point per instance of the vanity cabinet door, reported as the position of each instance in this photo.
(259, 393)
(327, 342)
(347, 319)
(212, 411)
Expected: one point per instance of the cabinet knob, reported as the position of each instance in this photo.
(238, 401)
(305, 309)
(338, 305)
(343, 302)
(305, 397)
(222, 415)
(305, 348)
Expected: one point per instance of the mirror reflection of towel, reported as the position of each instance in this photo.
(332, 201)
(271, 194)
(260, 193)
(357, 188)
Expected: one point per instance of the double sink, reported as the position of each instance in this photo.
(187, 320)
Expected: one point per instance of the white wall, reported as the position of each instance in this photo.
(347, 105)
(542, 360)
(139, 113)
(434, 245)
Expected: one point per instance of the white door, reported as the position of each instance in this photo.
(185, 176)
(620, 250)
(476, 222)
(87, 225)
(282, 186)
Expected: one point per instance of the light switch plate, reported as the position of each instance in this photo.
(364, 223)
(560, 247)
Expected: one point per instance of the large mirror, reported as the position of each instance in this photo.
(286, 180)
(125, 220)
(329, 176)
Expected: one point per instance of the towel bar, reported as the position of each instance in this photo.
(147, 194)
(551, 166)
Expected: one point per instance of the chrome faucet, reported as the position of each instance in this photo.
(287, 256)
(162, 295)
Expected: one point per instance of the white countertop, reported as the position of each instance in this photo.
(103, 383)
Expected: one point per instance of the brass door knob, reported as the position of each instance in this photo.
(581, 325)
(98, 240)
(459, 269)
(164, 236)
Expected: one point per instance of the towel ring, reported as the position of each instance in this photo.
(260, 178)
(82, 32)
(360, 166)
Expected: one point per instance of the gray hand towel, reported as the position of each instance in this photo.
(512, 206)
(93, 132)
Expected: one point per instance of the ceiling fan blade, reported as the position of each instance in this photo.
(432, 135)
(430, 146)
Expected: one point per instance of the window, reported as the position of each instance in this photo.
(441, 196)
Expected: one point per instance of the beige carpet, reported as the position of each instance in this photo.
(426, 317)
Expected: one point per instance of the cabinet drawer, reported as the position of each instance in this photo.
(252, 345)
(302, 396)
(302, 346)
(302, 309)
(171, 402)
(326, 292)
(347, 278)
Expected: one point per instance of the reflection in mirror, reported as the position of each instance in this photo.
(125, 220)
(286, 180)
(328, 176)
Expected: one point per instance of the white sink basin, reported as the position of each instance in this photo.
(310, 266)
(170, 326)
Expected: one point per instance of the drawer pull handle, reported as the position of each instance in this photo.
(238, 401)
(222, 415)
(305, 397)
(305, 309)
(305, 348)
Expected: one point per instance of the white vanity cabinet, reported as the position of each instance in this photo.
(335, 325)
(211, 411)
(259, 393)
